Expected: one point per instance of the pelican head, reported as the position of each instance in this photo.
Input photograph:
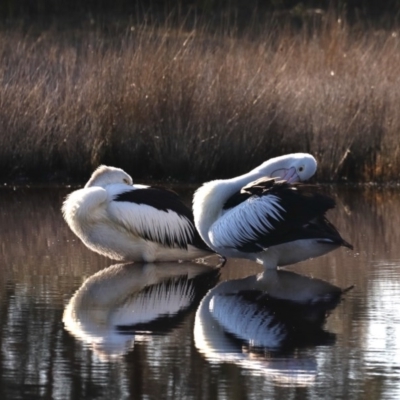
(290, 167)
(105, 175)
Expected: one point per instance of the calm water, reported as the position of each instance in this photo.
(68, 331)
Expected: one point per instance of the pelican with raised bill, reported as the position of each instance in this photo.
(273, 222)
(127, 222)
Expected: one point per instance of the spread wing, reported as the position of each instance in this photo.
(269, 212)
(155, 214)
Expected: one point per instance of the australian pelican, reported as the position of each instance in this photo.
(129, 222)
(273, 222)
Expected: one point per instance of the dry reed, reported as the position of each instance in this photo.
(182, 104)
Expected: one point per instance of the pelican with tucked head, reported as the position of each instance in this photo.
(273, 221)
(129, 222)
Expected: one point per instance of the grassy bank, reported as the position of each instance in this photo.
(182, 104)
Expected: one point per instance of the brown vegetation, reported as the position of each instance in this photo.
(183, 104)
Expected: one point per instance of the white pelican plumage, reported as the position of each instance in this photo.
(127, 222)
(275, 223)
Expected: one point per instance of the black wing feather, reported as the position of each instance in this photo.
(164, 200)
(159, 198)
(303, 216)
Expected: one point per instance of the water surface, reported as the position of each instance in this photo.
(108, 351)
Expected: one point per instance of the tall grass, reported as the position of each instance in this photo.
(190, 104)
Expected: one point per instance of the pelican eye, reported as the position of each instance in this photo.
(126, 181)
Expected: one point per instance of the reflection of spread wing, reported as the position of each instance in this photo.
(268, 213)
(155, 214)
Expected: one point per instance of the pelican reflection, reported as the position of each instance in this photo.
(260, 322)
(126, 302)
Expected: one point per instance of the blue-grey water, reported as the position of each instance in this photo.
(75, 325)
